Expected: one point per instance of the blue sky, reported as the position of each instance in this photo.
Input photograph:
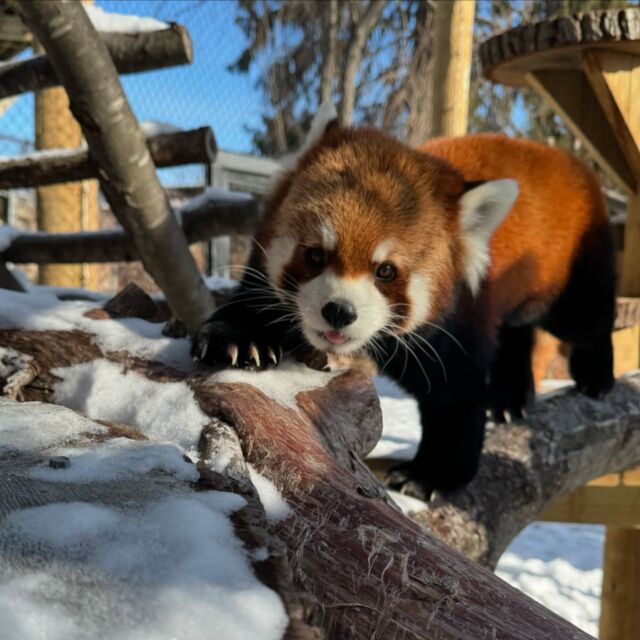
(204, 93)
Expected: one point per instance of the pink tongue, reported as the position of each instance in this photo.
(335, 337)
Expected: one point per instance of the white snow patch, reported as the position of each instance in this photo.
(165, 411)
(283, 384)
(43, 311)
(104, 21)
(33, 426)
(215, 195)
(7, 235)
(117, 459)
(220, 282)
(63, 524)
(274, 504)
(173, 569)
(559, 565)
(408, 504)
(152, 128)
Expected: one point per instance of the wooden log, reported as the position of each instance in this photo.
(595, 27)
(130, 52)
(127, 175)
(57, 165)
(208, 218)
(364, 570)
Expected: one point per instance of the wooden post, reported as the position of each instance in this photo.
(65, 207)
(620, 614)
(453, 47)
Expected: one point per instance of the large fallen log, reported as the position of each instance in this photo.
(54, 166)
(208, 216)
(367, 570)
(130, 52)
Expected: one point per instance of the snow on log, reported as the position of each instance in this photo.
(127, 175)
(360, 568)
(213, 214)
(67, 165)
(131, 52)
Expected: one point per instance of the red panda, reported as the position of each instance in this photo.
(438, 262)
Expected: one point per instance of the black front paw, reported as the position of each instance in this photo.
(221, 345)
(406, 478)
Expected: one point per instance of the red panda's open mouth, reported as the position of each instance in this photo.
(335, 337)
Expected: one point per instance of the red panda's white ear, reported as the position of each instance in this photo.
(482, 209)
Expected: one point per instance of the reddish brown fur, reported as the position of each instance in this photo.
(560, 201)
(373, 188)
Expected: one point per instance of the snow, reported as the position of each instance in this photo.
(119, 22)
(117, 459)
(166, 411)
(7, 234)
(215, 196)
(559, 565)
(169, 569)
(274, 505)
(283, 385)
(152, 128)
(42, 311)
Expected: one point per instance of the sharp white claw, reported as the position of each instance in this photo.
(254, 354)
(232, 352)
(204, 345)
(271, 355)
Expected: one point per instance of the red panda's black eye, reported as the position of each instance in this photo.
(315, 257)
(386, 272)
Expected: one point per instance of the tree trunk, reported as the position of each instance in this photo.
(452, 47)
(329, 49)
(362, 27)
(128, 177)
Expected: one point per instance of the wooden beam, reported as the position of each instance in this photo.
(130, 52)
(569, 94)
(615, 78)
(167, 150)
(619, 612)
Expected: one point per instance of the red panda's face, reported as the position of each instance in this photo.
(360, 246)
(368, 237)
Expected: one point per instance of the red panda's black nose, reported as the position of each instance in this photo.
(339, 313)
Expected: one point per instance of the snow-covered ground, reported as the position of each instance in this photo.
(559, 565)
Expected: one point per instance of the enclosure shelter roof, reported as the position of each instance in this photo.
(14, 35)
(558, 44)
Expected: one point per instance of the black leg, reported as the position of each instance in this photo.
(583, 316)
(452, 408)
(511, 388)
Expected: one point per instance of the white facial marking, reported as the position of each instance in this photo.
(278, 255)
(328, 236)
(420, 297)
(371, 306)
(382, 251)
(481, 211)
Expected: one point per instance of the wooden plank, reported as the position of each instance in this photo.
(630, 276)
(620, 613)
(626, 350)
(569, 94)
(617, 506)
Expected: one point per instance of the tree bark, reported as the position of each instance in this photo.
(56, 165)
(329, 50)
(361, 30)
(212, 217)
(128, 179)
(366, 570)
(130, 52)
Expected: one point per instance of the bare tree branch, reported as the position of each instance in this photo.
(128, 178)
